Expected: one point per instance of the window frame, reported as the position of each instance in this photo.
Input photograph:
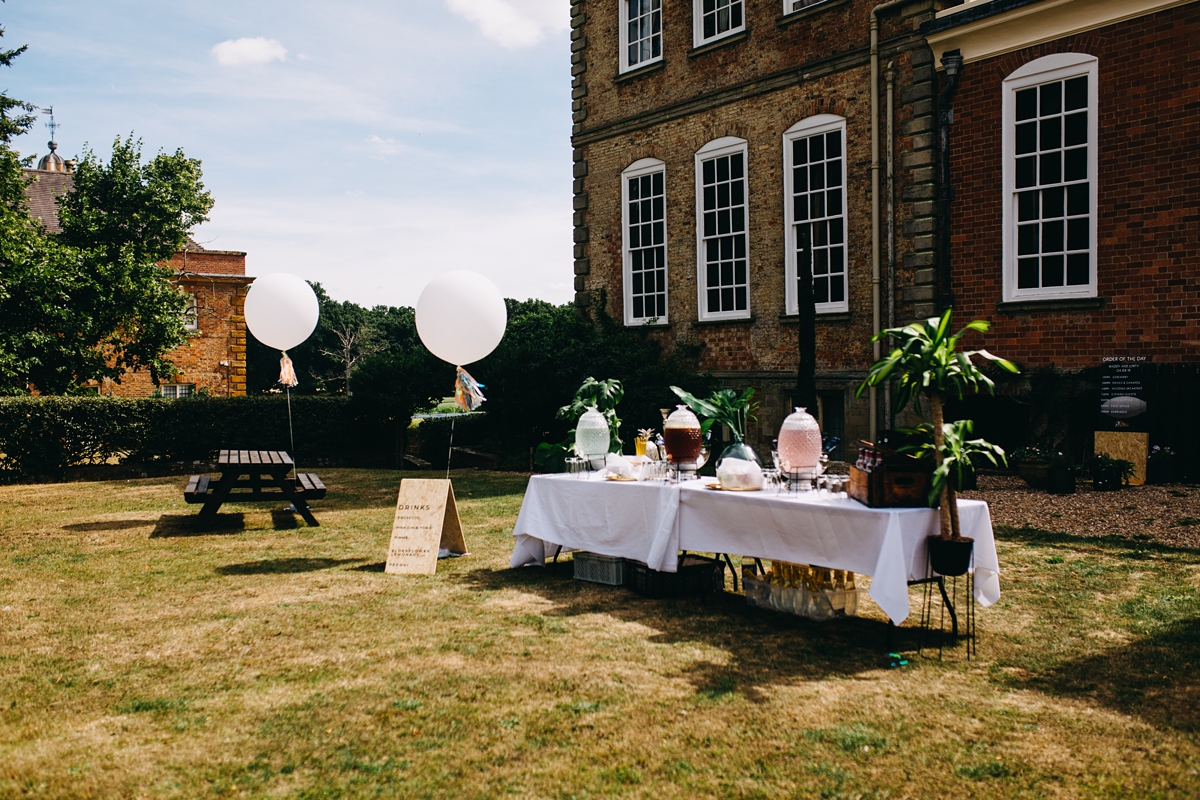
(191, 314)
(638, 169)
(812, 126)
(1057, 67)
(787, 6)
(698, 24)
(724, 146)
(623, 33)
(175, 387)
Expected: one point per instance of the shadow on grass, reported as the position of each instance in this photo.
(284, 519)
(765, 648)
(171, 525)
(1154, 678)
(378, 566)
(108, 525)
(283, 566)
(378, 488)
(1128, 546)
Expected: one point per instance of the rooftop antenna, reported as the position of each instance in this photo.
(52, 125)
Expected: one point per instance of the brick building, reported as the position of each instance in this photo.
(1106, 96)
(706, 132)
(214, 359)
(1075, 226)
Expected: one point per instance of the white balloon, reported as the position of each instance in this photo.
(461, 317)
(281, 310)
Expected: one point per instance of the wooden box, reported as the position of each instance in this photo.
(886, 487)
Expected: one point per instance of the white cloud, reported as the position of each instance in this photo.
(239, 52)
(514, 23)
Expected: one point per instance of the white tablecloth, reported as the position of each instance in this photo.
(651, 522)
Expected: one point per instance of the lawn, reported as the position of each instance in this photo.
(142, 656)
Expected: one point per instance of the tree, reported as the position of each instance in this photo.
(926, 361)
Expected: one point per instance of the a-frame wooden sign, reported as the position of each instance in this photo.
(426, 519)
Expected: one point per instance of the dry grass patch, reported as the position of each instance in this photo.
(141, 654)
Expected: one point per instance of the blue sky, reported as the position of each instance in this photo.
(367, 145)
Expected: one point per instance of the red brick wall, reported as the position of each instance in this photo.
(1148, 199)
(216, 278)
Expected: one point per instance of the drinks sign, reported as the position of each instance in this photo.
(426, 521)
(1123, 394)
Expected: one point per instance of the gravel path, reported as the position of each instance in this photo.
(1167, 514)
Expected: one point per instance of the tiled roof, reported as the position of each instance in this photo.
(43, 194)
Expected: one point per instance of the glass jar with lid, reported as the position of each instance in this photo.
(800, 443)
(681, 435)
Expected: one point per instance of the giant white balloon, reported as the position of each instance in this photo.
(461, 317)
(281, 310)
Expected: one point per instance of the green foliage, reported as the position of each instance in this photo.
(959, 453)
(723, 406)
(42, 436)
(926, 361)
(1109, 474)
(15, 115)
(601, 395)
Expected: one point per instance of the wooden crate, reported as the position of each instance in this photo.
(886, 487)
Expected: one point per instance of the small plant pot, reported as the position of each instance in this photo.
(950, 557)
(1062, 479)
(1160, 471)
(1035, 472)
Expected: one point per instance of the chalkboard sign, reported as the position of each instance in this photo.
(1123, 395)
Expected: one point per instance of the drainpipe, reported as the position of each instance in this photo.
(952, 62)
(889, 76)
(875, 310)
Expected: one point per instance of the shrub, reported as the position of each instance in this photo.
(1109, 474)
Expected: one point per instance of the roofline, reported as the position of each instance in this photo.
(970, 15)
(213, 252)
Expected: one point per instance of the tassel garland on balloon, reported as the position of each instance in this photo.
(468, 394)
(287, 372)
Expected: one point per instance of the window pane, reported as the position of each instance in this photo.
(1028, 273)
(1052, 236)
(1026, 138)
(1078, 233)
(709, 171)
(1076, 129)
(735, 166)
(1077, 199)
(1027, 240)
(1052, 202)
(1052, 271)
(816, 148)
(837, 290)
(1051, 97)
(1026, 104)
(834, 202)
(800, 151)
(833, 173)
(821, 290)
(1051, 167)
(1026, 172)
(1027, 206)
(1077, 93)
(1078, 272)
(833, 144)
(1051, 133)
(1076, 164)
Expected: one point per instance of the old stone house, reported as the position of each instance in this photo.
(214, 359)
(1073, 158)
(706, 133)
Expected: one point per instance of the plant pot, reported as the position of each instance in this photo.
(1035, 472)
(1160, 471)
(1062, 479)
(950, 557)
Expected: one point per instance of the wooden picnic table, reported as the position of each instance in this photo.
(264, 473)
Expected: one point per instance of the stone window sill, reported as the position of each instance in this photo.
(1051, 306)
(640, 72)
(704, 323)
(740, 36)
(650, 326)
(805, 13)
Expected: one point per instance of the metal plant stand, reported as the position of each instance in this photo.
(949, 607)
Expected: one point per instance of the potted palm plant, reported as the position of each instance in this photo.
(926, 361)
(729, 408)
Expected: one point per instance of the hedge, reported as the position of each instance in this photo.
(42, 436)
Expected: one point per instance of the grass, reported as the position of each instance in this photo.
(141, 655)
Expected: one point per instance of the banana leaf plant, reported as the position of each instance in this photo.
(604, 395)
(959, 454)
(724, 406)
(926, 361)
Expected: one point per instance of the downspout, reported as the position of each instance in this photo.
(876, 325)
(889, 76)
(952, 62)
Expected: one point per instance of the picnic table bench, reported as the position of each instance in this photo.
(257, 476)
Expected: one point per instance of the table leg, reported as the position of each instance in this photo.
(289, 491)
(219, 493)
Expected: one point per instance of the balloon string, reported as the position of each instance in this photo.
(291, 434)
(451, 453)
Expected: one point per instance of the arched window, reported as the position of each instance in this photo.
(1049, 153)
(814, 189)
(722, 222)
(644, 241)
